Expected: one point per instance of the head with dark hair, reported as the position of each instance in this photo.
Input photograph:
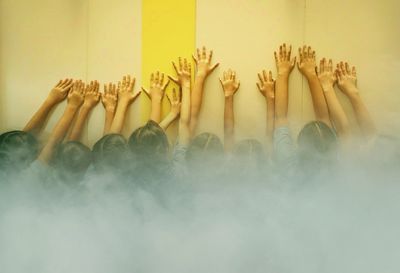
(149, 142)
(110, 153)
(205, 150)
(317, 143)
(18, 149)
(71, 160)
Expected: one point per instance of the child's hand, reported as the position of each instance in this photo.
(125, 90)
(326, 75)
(284, 64)
(307, 63)
(92, 95)
(266, 85)
(76, 95)
(175, 103)
(229, 83)
(347, 79)
(203, 62)
(60, 91)
(157, 87)
(184, 72)
(110, 97)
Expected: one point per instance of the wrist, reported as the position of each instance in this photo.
(311, 76)
(228, 97)
(200, 77)
(110, 110)
(156, 99)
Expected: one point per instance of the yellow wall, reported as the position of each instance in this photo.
(44, 40)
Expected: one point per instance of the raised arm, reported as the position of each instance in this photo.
(284, 66)
(57, 95)
(203, 69)
(230, 86)
(156, 94)
(174, 111)
(92, 98)
(266, 86)
(109, 100)
(307, 66)
(327, 78)
(75, 100)
(126, 97)
(347, 82)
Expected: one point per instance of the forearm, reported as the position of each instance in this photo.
(337, 113)
(119, 119)
(77, 129)
(108, 122)
(270, 118)
(155, 114)
(318, 99)
(229, 124)
(167, 121)
(281, 101)
(196, 101)
(35, 124)
(363, 117)
(184, 120)
(58, 134)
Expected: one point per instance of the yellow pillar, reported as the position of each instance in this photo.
(168, 31)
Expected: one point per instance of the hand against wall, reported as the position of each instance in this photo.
(229, 83)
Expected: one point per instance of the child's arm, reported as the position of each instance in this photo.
(156, 94)
(307, 66)
(125, 98)
(109, 100)
(92, 98)
(284, 67)
(327, 78)
(267, 89)
(203, 69)
(230, 86)
(75, 100)
(184, 73)
(57, 95)
(174, 112)
(347, 82)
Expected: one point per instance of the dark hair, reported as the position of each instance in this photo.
(204, 148)
(72, 159)
(149, 141)
(18, 149)
(249, 148)
(110, 152)
(317, 142)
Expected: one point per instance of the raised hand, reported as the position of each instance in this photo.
(109, 98)
(183, 71)
(157, 86)
(92, 95)
(229, 83)
(347, 78)
(76, 95)
(284, 64)
(175, 103)
(307, 63)
(60, 91)
(326, 75)
(203, 62)
(266, 86)
(125, 90)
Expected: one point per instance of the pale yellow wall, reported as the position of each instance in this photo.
(44, 40)
(244, 34)
(41, 41)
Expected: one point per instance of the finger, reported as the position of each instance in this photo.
(289, 53)
(225, 75)
(185, 64)
(300, 55)
(222, 83)
(265, 75)
(233, 75)
(260, 77)
(309, 52)
(280, 53)
(347, 68)
(270, 76)
(151, 79)
(162, 78)
(165, 85)
(198, 54)
(175, 80)
(105, 89)
(174, 97)
(169, 99)
(276, 57)
(157, 78)
(284, 51)
(180, 64)
(204, 53)
(354, 72)
(194, 59)
(259, 87)
(146, 92)
(210, 56)
(214, 66)
(132, 84)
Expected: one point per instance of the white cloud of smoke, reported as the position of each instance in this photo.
(341, 221)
